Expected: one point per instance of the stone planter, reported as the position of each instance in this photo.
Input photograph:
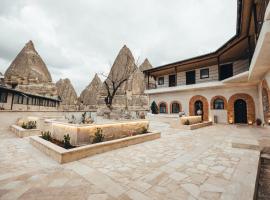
(62, 155)
(81, 134)
(21, 132)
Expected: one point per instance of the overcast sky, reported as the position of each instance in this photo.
(77, 39)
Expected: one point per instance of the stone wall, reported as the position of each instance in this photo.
(183, 97)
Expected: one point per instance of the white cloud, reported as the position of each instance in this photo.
(78, 38)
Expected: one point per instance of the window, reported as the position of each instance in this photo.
(3, 97)
(190, 77)
(18, 99)
(161, 81)
(225, 71)
(218, 104)
(162, 108)
(175, 107)
(204, 73)
(172, 80)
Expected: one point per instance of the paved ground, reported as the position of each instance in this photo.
(182, 164)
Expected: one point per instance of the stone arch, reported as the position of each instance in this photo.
(266, 101)
(250, 107)
(180, 106)
(205, 106)
(163, 102)
(219, 97)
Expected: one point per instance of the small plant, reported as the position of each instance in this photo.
(72, 120)
(83, 117)
(187, 122)
(144, 130)
(142, 115)
(29, 125)
(46, 135)
(154, 108)
(66, 141)
(99, 137)
(258, 122)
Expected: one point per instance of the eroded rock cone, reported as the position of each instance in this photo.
(123, 66)
(90, 93)
(66, 92)
(28, 66)
(145, 66)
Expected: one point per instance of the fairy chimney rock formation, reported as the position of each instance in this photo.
(28, 67)
(145, 65)
(123, 66)
(90, 93)
(66, 92)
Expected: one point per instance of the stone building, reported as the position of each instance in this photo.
(230, 85)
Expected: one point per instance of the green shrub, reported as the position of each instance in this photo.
(187, 122)
(66, 141)
(29, 125)
(154, 108)
(144, 130)
(46, 135)
(99, 137)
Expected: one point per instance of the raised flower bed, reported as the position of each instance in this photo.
(26, 129)
(63, 155)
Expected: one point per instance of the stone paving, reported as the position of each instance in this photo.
(183, 164)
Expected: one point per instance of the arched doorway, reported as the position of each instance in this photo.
(199, 101)
(240, 111)
(198, 107)
(249, 107)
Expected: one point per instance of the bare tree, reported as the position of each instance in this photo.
(116, 79)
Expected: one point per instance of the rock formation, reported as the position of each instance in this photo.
(130, 97)
(89, 95)
(29, 73)
(67, 94)
(28, 66)
(123, 66)
(145, 66)
(2, 79)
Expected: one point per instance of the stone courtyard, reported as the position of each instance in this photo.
(183, 164)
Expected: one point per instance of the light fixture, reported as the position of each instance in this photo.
(250, 123)
(230, 120)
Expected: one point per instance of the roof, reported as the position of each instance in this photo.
(242, 31)
(2, 87)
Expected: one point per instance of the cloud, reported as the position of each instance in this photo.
(76, 39)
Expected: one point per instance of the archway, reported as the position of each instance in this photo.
(240, 111)
(250, 107)
(205, 106)
(175, 107)
(163, 107)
